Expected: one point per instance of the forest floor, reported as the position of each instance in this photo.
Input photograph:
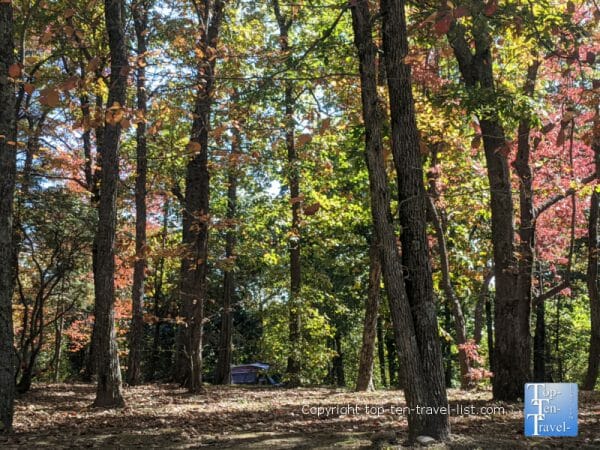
(166, 416)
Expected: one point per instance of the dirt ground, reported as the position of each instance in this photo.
(165, 416)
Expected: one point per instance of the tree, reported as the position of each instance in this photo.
(8, 71)
(364, 380)
(295, 325)
(415, 379)
(108, 393)
(412, 200)
(512, 350)
(140, 12)
(225, 350)
(592, 269)
(196, 215)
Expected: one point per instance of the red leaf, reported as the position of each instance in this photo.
(461, 11)
(14, 70)
(443, 25)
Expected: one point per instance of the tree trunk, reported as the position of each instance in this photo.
(7, 188)
(223, 369)
(416, 381)
(539, 344)
(392, 359)
(59, 324)
(295, 306)
(452, 299)
(480, 305)
(412, 200)
(158, 294)
(108, 392)
(196, 216)
(338, 361)
(136, 337)
(381, 352)
(364, 380)
(512, 350)
(489, 328)
(592, 269)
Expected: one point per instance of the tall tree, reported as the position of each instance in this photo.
(512, 350)
(134, 369)
(225, 350)
(197, 194)
(295, 324)
(412, 200)
(364, 379)
(108, 393)
(416, 380)
(8, 154)
(592, 269)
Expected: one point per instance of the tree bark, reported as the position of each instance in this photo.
(108, 393)
(196, 217)
(489, 329)
(452, 299)
(592, 269)
(412, 200)
(223, 369)
(295, 322)
(8, 169)
(392, 359)
(364, 380)
(512, 349)
(539, 344)
(416, 381)
(158, 291)
(59, 323)
(136, 337)
(479, 306)
(381, 352)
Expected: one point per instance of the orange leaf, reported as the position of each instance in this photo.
(14, 70)
(304, 139)
(311, 210)
(443, 25)
(194, 147)
(50, 97)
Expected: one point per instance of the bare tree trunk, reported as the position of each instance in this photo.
(223, 369)
(8, 169)
(196, 216)
(489, 329)
(364, 380)
(59, 324)
(592, 269)
(295, 323)
(412, 200)
(158, 294)
(416, 381)
(512, 350)
(539, 344)
(479, 306)
(381, 352)
(108, 393)
(136, 338)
